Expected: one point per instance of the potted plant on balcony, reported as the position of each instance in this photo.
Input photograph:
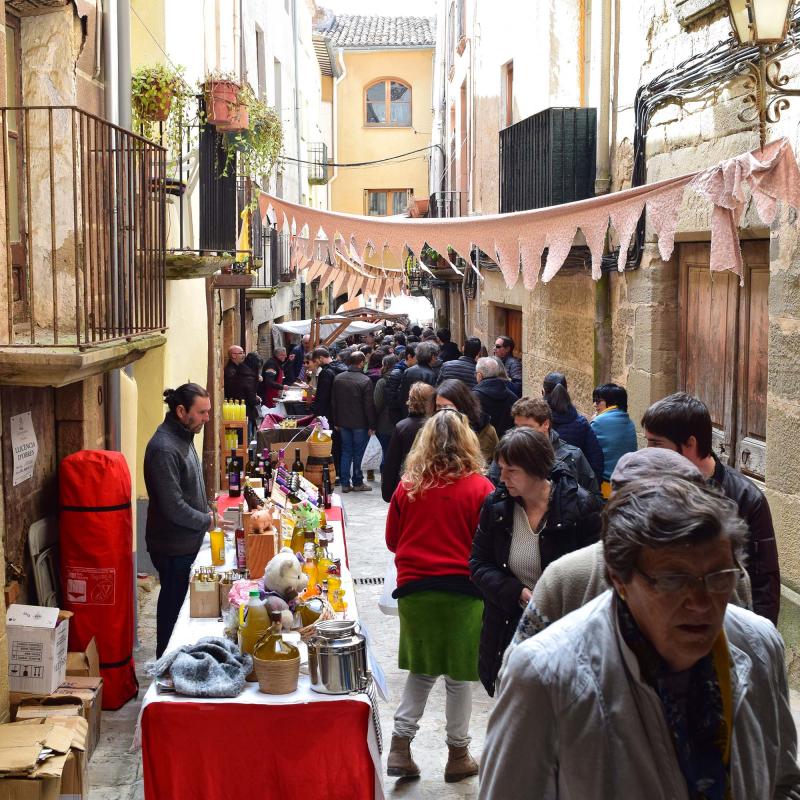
(226, 104)
(160, 94)
(259, 147)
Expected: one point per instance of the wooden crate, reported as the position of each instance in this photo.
(241, 428)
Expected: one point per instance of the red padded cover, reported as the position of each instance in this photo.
(96, 542)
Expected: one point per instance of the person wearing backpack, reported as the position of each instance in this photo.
(392, 391)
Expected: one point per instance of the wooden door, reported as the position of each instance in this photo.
(723, 350)
(751, 421)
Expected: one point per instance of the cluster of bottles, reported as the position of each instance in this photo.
(324, 573)
(234, 411)
(257, 467)
(231, 440)
(217, 536)
(290, 485)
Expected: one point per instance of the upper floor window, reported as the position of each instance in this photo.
(388, 104)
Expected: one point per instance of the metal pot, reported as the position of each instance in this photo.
(337, 658)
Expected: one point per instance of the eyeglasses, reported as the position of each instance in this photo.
(720, 582)
(499, 347)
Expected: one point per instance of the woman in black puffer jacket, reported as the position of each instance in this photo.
(571, 426)
(537, 515)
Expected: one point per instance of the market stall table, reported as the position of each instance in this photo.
(300, 745)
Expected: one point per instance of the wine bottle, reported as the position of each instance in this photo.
(266, 461)
(239, 538)
(250, 468)
(297, 466)
(234, 475)
(251, 498)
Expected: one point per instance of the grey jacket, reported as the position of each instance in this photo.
(574, 719)
(353, 400)
(177, 514)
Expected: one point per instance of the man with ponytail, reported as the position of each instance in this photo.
(177, 513)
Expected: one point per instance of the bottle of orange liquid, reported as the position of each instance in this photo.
(310, 569)
(217, 536)
(255, 624)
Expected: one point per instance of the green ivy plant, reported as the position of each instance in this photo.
(159, 91)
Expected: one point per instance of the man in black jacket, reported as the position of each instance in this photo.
(462, 368)
(682, 423)
(322, 405)
(177, 511)
(353, 406)
(448, 351)
(232, 374)
(393, 391)
(495, 396)
(421, 371)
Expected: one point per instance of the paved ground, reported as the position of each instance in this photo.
(116, 772)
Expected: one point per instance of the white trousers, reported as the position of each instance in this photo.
(458, 708)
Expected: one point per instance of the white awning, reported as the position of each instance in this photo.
(301, 327)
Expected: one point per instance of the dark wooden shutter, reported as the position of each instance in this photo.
(218, 229)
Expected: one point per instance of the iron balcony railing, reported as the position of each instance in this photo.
(84, 207)
(446, 204)
(318, 168)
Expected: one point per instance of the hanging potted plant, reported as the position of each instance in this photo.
(226, 109)
(161, 96)
(259, 147)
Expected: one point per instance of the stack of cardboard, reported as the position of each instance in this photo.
(44, 759)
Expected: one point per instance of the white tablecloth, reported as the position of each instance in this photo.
(189, 629)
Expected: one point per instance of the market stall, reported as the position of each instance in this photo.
(305, 742)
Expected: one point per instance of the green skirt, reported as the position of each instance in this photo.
(440, 633)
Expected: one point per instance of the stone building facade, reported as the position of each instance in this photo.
(661, 326)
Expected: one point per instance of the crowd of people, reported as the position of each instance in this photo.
(619, 603)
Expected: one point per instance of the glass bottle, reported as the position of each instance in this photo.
(281, 459)
(310, 569)
(239, 538)
(256, 623)
(297, 466)
(298, 539)
(324, 560)
(217, 536)
(272, 646)
(234, 475)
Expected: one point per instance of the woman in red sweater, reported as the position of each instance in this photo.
(432, 518)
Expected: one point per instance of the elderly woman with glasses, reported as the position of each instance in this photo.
(658, 688)
(431, 522)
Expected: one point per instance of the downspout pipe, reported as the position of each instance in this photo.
(297, 103)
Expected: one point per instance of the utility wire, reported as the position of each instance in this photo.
(362, 163)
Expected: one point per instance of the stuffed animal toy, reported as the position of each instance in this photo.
(260, 520)
(284, 580)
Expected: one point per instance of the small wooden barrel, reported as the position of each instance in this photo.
(315, 467)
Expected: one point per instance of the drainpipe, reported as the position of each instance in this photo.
(124, 62)
(334, 131)
(297, 104)
(602, 294)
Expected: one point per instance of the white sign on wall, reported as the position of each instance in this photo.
(24, 446)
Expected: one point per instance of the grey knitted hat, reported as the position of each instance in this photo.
(213, 667)
(653, 462)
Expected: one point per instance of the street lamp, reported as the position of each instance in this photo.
(765, 24)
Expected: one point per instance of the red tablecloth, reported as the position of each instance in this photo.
(209, 751)
(232, 748)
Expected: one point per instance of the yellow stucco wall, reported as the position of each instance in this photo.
(147, 32)
(357, 142)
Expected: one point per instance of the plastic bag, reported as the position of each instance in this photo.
(373, 455)
(386, 603)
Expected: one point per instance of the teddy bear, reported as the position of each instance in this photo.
(284, 581)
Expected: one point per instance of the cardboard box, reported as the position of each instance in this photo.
(46, 758)
(51, 706)
(84, 664)
(37, 648)
(90, 692)
(203, 598)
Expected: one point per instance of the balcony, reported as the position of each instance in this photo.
(83, 204)
(318, 168)
(446, 205)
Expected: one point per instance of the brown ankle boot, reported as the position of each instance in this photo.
(460, 764)
(400, 764)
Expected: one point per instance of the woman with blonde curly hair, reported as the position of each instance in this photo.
(432, 518)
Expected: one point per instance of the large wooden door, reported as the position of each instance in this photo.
(723, 350)
(508, 322)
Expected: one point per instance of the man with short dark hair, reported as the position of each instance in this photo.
(273, 377)
(177, 509)
(393, 390)
(614, 429)
(322, 405)
(462, 368)
(421, 371)
(355, 418)
(448, 350)
(504, 350)
(682, 423)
